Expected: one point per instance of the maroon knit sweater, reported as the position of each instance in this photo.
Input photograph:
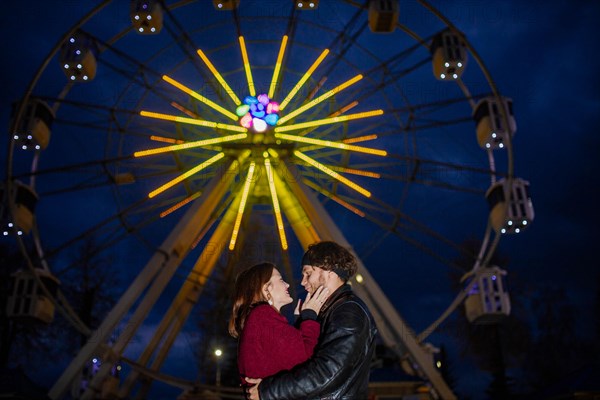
(269, 344)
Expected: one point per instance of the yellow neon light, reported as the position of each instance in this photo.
(328, 143)
(353, 171)
(247, 67)
(166, 139)
(273, 153)
(319, 99)
(220, 78)
(189, 145)
(327, 121)
(360, 139)
(335, 198)
(277, 66)
(180, 204)
(185, 175)
(276, 208)
(334, 114)
(238, 219)
(332, 173)
(201, 98)
(193, 121)
(303, 80)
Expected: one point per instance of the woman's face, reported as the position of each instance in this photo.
(277, 288)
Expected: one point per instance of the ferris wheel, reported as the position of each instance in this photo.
(173, 132)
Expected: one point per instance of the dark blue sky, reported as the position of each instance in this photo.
(541, 54)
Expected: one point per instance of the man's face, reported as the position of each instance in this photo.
(313, 277)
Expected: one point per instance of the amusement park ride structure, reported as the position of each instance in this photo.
(261, 144)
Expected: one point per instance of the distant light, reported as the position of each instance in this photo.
(5, 233)
(524, 222)
(439, 364)
(299, 5)
(220, 5)
(137, 17)
(66, 66)
(503, 230)
(459, 65)
(218, 352)
(510, 223)
(19, 233)
(29, 137)
(312, 5)
(79, 66)
(94, 360)
(37, 147)
(447, 64)
(455, 76)
(265, 154)
(10, 225)
(16, 137)
(149, 17)
(494, 135)
(85, 77)
(153, 29)
(517, 230)
(118, 367)
(78, 52)
(141, 29)
(359, 278)
(493, 277)
(501, 145)
(24, 147)
(72, 40)
(487, 146)
(443, 76)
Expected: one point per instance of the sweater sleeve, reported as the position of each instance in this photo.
(298, 344)
(269, 344)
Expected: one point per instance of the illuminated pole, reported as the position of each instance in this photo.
(218, 354)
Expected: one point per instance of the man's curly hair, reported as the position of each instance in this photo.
(330, 256)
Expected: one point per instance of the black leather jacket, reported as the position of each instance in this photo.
(339, 368)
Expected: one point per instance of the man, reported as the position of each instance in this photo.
(339, 368)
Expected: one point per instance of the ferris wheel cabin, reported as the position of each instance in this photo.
(307, 5)
(146, 16)
(33, 129)
(226, 4)
(487, 301)
(383, 15)
(492, 131)
(511, 209)
(27, 300)
(449, 55)
(78, 58)
(24, 200)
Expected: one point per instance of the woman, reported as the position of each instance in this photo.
(267, 342)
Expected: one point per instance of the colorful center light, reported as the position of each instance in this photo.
(258, 112)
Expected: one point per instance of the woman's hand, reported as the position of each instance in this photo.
(252, 391)
(315, 301)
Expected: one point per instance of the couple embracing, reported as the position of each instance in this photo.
(326, 354)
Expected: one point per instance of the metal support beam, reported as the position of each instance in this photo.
(156, 274)
(395, 332)
(188, 296)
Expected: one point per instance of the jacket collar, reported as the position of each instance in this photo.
(339, 293)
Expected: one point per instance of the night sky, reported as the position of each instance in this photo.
(542, 55)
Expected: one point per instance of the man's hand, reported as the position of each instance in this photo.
(252, 391)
